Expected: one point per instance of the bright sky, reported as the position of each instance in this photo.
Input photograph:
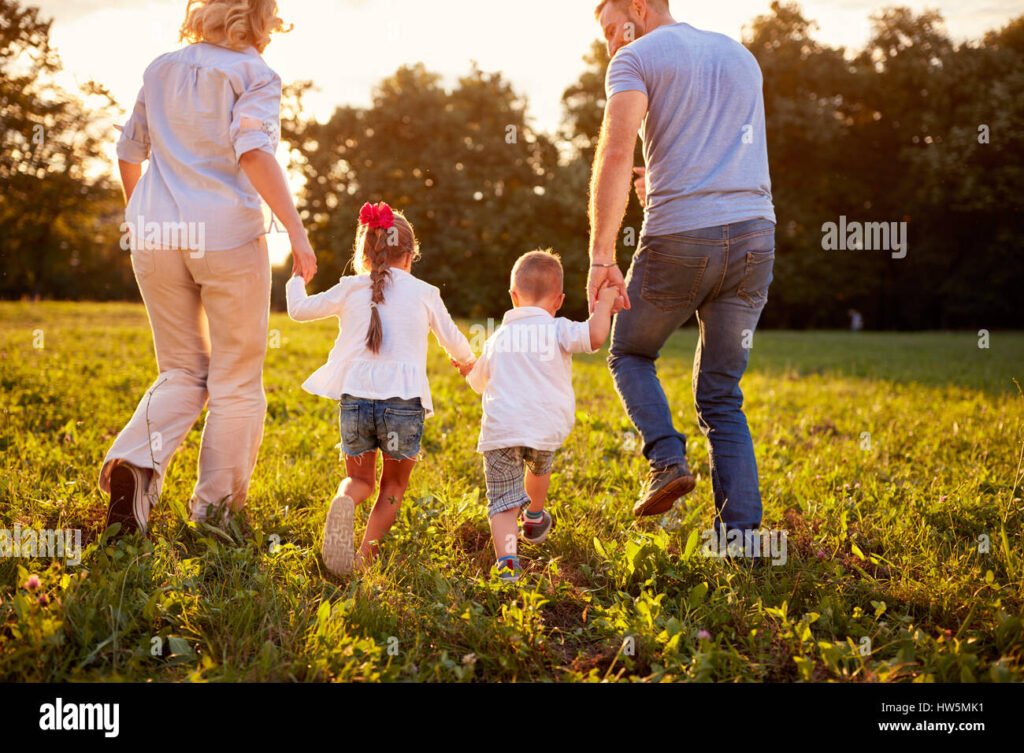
(347, 46)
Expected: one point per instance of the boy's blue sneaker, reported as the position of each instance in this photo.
(535, 531)
(508, 569)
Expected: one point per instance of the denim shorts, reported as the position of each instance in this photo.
(393, 426)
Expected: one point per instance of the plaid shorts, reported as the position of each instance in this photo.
(503, 470)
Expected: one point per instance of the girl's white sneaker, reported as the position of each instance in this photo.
(339, 537)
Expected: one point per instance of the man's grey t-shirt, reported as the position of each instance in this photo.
(704, 134)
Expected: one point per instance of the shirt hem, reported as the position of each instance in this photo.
(685, 227)
(427, 404)
(539, 446)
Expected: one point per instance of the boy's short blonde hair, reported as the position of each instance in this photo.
(538, 275)
(236, 24)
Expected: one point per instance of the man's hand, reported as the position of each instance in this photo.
(640, 184)
(303, 257)
(601, 277)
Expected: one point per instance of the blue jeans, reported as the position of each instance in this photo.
(722, 274)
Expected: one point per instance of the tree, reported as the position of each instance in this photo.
(59, 215)
(464, 165)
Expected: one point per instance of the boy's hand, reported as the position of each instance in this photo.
(601, 277)
(464, 368)
(610, 296)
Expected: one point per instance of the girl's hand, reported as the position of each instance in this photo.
(463, 368)
(303, 257)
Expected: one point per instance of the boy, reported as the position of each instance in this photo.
(525, 377)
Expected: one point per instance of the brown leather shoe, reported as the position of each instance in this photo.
(664, 487)
(130, 499)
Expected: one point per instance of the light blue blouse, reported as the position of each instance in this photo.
(200, 109)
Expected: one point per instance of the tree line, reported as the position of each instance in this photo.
(914, 131)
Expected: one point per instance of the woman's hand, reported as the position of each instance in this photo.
(303, 256)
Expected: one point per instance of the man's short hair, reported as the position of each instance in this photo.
(538, 275)
(620, 3)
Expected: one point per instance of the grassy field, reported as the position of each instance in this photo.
(892, 461)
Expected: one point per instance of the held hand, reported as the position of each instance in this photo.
(463, 368)
(303, 258)
(640, 184)
(601, 277)
(608, 295)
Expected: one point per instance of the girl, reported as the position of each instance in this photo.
(208, 121)
(377, 371)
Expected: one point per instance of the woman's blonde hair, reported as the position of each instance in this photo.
(376, 249)
(232, 23)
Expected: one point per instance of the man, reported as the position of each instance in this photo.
(707, 246)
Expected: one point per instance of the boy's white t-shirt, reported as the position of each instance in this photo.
(525, 377)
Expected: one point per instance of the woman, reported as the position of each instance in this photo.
(208, 120)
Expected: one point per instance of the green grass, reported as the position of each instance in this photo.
(883, 456)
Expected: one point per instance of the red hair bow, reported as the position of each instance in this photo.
(377, 216)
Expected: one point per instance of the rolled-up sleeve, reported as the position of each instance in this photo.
(133, 145)
(256, 119)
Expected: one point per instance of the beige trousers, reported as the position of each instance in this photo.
(209, 317)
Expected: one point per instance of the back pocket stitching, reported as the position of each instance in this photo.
(742, 291)
(659, 301)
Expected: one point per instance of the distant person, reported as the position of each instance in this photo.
(529, 407)
(208, 121)
(707, 246)
(856, 320)
(377, 372)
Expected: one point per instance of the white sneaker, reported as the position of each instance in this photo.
(339, 537)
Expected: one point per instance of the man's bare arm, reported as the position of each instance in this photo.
(609, 189)
(613, 170)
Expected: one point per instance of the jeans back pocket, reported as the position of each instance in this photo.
(758, 273)
(404, 428)
(672, 281)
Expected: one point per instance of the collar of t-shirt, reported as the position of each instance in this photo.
(525, 312)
